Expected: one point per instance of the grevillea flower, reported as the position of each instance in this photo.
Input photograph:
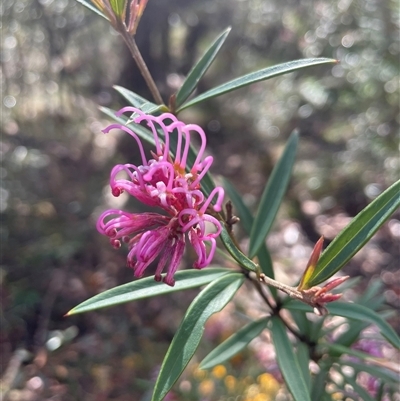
(167, 182)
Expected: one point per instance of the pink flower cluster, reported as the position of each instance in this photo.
(167, 182)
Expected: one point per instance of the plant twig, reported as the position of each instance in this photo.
(130, 41)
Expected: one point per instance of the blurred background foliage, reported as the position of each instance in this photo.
(59, 62)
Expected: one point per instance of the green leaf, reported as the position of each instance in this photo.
(240, 257)
(352, 311)
(376, 371)
(257, 76)
(318, 391)
(353, 237)
(272, 196)
(91, 7)
(212, 299)
(304, 324)
(234, 344)
(288, 362)
(362, 313)
(246, 218)
(303, 356)
(138, 101)
(142, 132)
(118, 6)
(200, 69)
(147, 287)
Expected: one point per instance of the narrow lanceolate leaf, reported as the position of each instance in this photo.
(303, 356)
(136, 100)
(91, 7)
(238, 255)
(311, 265)
(186, 340)
(119, 7)
(142, 132)
(147, 287)
(200, 69)
(272, 196)
(353, 237)
(288, 362)
(360, 312)
(257, 76)
(377, 371)
(234, 344)
(246, 220)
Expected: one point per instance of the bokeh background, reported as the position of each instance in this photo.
(59, 62)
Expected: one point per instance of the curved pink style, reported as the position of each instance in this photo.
(167, 182)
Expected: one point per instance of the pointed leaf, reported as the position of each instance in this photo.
(147, 287)
(246, 218)
(288, 362)
(353, 311)
(186, 340)
(142, 132)
(234, 344)
(375, 371)
(353, 237)
(257, 76)
(303, 356)
(200, 69)
(311, 265)
(360, 312)
(138, 101)
(272, 196)
(119, 7)
(318, 391)
(236, 253)
(91, 7)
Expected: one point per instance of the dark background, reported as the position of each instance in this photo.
(59, 62)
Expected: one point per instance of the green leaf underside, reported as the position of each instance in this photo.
(91, 7)
(353, 237)
(136, 100)
(240, 257)
(200, 69)
(257, 76)
(212, 299)
(246, 219)
(147, 287)
(272, 196)
(207, 183)
(356, 312)
(234, 344)
(288, 362)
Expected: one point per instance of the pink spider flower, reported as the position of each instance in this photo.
(170, 184)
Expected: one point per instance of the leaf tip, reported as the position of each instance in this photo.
(311, 265)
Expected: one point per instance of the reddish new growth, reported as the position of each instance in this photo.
(170, 184)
